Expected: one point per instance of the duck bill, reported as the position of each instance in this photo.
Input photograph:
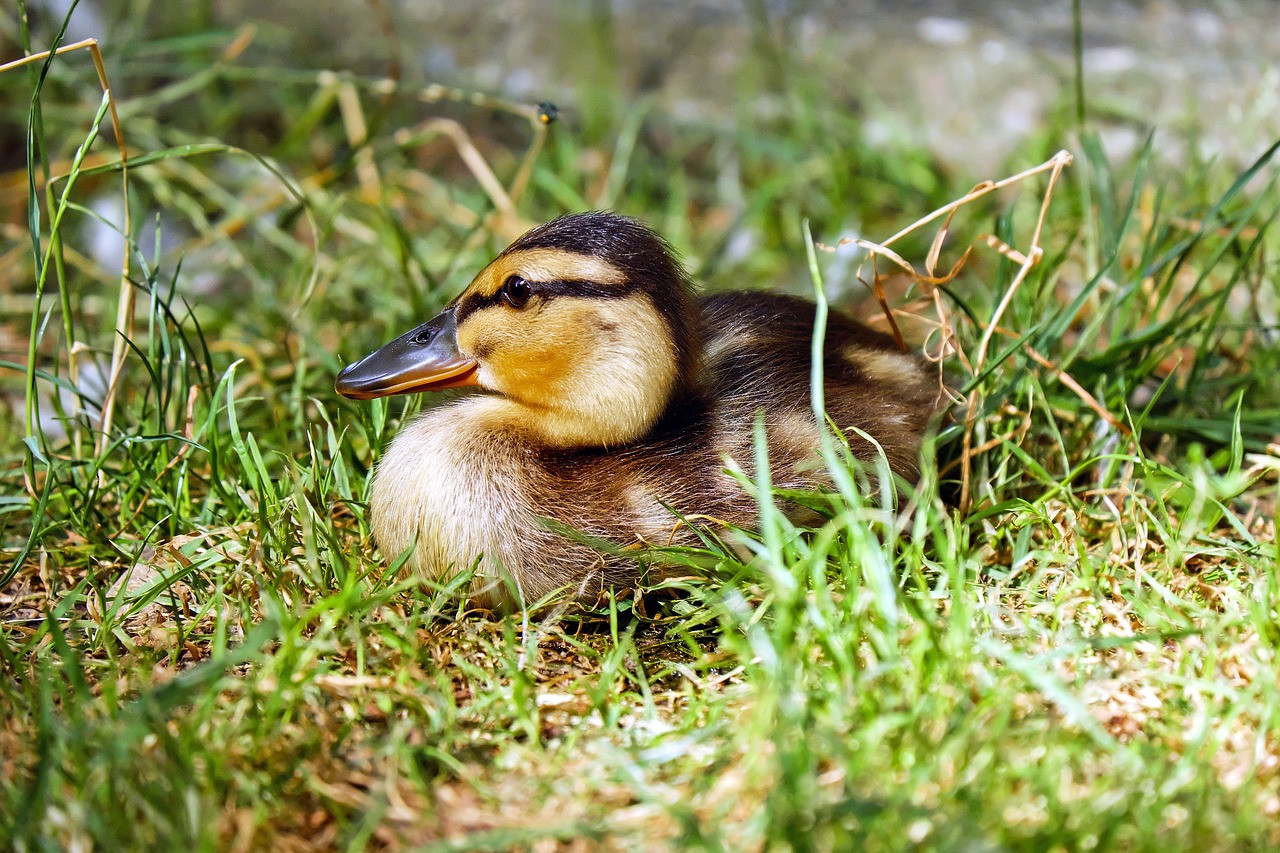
(422, 359)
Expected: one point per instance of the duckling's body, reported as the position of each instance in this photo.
(637, 397)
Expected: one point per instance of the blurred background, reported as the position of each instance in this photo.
(969, 81)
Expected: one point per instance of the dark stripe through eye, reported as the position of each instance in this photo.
(516, 292)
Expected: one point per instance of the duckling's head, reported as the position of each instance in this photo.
(587, 325)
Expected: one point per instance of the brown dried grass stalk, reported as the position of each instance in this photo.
(931, 280)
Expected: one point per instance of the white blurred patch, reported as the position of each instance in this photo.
(1110, 60)
(86, 22)
(942, 31)
(104, 242)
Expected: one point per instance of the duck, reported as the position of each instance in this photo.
(608, 405)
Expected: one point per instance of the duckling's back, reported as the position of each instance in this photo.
(757, 358)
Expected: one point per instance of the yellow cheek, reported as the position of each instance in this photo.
(535, 370)
(529, 354)
(484, 333)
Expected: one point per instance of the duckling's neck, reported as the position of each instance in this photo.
(609, 420)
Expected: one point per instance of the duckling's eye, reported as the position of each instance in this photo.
(516, 291)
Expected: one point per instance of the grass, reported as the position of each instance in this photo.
(1074, 650)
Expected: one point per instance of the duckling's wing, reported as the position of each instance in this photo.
(757, 356)
(756, 359)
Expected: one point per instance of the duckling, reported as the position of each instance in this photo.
(610, 396)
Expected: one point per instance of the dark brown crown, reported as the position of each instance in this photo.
(648, 261)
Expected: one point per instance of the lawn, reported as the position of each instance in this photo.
(1065, 638)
